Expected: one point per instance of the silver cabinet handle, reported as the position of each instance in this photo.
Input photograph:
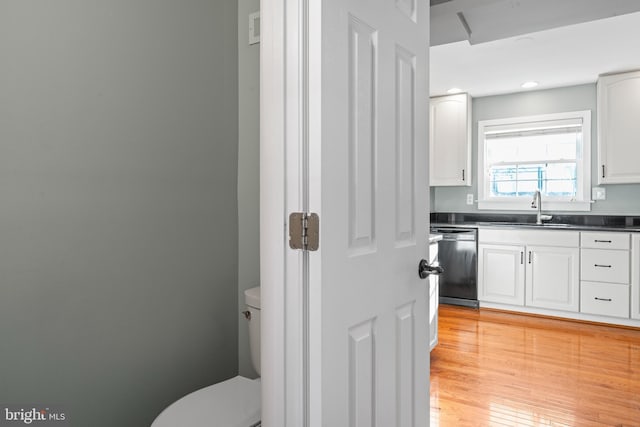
(602, 265)
(521, 257)
(603, 299)
(602, 241)
(529, 257)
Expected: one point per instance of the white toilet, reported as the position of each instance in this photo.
(231, 403)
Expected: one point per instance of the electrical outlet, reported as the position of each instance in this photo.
(254, 28)
(598, 193)
(469, 199)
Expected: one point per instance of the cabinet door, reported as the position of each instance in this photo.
(433, 312)
(553, 278)
(501, 274)
(450, 140)
(618, 128)
(635, 276)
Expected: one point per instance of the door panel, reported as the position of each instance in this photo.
(405, 330)
(362, 126)
(368, 309)
(405, 148)
(361, 380)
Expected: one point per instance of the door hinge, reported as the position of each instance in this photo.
(304, 231)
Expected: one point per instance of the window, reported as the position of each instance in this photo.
(550, 153)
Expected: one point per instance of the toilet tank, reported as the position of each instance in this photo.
(252, 301)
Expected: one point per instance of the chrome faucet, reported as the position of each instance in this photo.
(537, 204)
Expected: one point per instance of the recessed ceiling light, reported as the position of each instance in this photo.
(454, 90)
(529, 85)
(525, 39)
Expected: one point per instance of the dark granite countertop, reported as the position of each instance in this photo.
(557, 222)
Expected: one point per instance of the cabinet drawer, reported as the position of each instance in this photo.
(567, 239)
(594, 240)
(605, 299)
(599, 265)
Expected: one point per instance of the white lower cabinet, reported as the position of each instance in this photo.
(605, 274)
(434, 296)
(501, 273)
(552, 278)
(635, 276)
(603, 265)
(583, 272)
(529, 268)
(606, 299)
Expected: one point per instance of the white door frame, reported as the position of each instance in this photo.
(283, 183)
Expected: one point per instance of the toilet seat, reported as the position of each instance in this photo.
(231, 403)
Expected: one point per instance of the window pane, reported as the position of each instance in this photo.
(563, 147)
(527, 188)
(561, 180)
(533, 148)
(561, 188)
(501, 150)
(552, 179)
(561, 171)
(529, 172)
(521, 155)
(502, 181)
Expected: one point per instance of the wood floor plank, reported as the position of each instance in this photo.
(500, 369)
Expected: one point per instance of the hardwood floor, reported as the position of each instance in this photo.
(498, 369)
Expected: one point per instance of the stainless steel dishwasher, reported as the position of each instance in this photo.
(457, 254)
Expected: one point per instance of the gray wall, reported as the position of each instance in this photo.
(621, 199)
(118, 220)
(248, 172)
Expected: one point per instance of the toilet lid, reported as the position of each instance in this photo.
(231, 403)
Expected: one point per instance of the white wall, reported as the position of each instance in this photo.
(118, 213)
(248, 172)
(621, 199)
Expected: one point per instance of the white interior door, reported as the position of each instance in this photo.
(369, 352)
(345, 129)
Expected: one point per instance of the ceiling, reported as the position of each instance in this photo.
(490, 47)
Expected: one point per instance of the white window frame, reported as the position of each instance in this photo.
(582, 201)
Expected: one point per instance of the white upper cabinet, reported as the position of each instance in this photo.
(619, 128)
(450, 140)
